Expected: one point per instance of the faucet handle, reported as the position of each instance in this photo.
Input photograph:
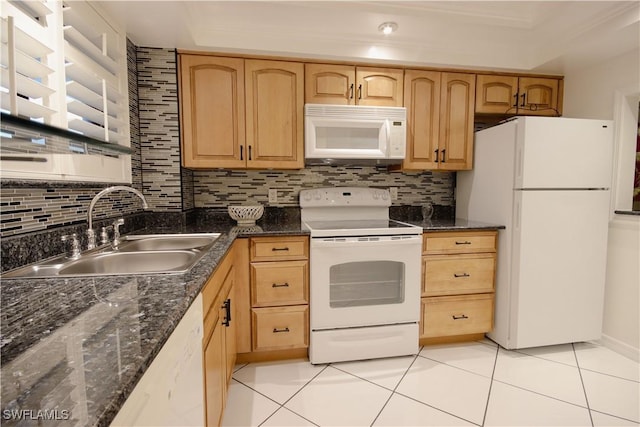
(116, 232)
(116, 225)
(74, 250)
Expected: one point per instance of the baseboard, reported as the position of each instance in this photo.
(620, 347)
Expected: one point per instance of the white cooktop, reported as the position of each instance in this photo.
(350, 211)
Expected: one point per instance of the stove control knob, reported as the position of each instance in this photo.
(317, 195)
(385, 195)
(376, 195)
(307, 196)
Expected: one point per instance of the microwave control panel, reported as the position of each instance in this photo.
(397, 139)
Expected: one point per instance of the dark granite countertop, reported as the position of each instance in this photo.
(451, 224)
(76, 347)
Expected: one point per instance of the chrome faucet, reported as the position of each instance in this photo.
(91, 234)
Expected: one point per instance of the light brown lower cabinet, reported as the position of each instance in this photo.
(219, 339)
(214, 376)
(458, 283)
(279, 294)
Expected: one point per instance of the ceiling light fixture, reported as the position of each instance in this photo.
(387, 28)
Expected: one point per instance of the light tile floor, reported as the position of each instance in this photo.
(476, 383)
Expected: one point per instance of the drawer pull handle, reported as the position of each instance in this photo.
(276, 330)
(461, 275)
(279, 249)
(462, 316)
(283, 285)
(466, 242)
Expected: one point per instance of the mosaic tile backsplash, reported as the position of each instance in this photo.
(221, 188)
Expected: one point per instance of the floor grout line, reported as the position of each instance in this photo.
(584, 389)
(486, 408)
(396, 387)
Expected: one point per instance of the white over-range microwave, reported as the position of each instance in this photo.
(354, 134)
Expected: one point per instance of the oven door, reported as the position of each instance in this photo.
(364, 281)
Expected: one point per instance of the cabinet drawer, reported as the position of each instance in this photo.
(458, 274)
(459, 315)
(280, 327)
(279, 283)
(279, 248)
(459, 242)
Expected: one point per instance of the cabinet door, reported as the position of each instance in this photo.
(496, 94)
(212, 111)
(538, 96)
(274, 119)
(229, 335)
(422, 100)
(379, 86)
(214, 376)
(329, 84)
(457, 102)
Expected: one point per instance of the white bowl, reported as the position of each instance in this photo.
(246, 215)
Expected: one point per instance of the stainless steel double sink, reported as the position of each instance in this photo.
(136, 254)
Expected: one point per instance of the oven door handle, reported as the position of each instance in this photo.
(361, 243)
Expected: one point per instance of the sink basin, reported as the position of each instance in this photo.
(137, 254)
(167, 242)
(131, 262)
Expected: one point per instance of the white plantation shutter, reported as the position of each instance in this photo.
(65, 65)
(96, 75)
(29, 61)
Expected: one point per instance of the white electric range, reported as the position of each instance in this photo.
(364, 275)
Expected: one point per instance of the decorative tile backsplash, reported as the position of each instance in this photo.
(221, 188)
(159, 128)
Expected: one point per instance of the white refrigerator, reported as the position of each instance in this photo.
(547, 180)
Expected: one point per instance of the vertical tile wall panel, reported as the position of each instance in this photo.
(159, 128)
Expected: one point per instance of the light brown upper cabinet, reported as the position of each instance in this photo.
(531, 96)
(212, 111)
(241, 113)
(274, 119)
(349, 85)
(439, 120)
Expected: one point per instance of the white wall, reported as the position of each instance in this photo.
(611, 90)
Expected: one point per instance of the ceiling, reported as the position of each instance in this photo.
(539, 36)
